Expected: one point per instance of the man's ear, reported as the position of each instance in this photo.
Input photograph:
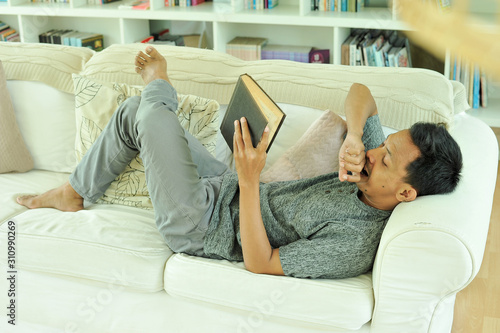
(406, 194)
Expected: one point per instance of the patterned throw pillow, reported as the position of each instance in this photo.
(95, 103)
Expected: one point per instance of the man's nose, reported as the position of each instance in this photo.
(371, 155)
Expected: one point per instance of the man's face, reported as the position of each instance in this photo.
(385, 169)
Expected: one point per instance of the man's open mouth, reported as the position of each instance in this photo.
(364, 172)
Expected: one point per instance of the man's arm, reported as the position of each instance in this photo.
(359, 106)
(258, 255)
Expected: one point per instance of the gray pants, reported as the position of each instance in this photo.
(183, 178)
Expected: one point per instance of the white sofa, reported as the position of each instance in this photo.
(106, 268)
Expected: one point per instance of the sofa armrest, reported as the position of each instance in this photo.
(433, 247)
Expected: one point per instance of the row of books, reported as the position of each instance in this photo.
(338, 5)
(260, 4)
(182, 3)
(474, 80)
(8, 34)
(255, 48)
(381, 48)
(72, 38)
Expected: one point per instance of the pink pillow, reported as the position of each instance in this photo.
(314, 154)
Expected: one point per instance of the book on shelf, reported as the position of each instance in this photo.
(8, 34)
(319, 56)
(474, 80)
(183, 3)
(92, 41)
(483, 89)
(259, 4)
(73, 38)
(249, 100)
(286, 52)
(352, 6)
(475, 87)
(246, 48)
(380, 48)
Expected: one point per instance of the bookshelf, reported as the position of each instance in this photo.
(291, 23)
(490, 114)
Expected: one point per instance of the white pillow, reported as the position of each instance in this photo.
(46, 118)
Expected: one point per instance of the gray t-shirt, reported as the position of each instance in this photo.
(321, 227)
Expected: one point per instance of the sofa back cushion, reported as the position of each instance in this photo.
(47, 121)
(47, 63)
(46, 118)
(403, 95)
(41, 87)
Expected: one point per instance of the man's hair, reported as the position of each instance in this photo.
(437, 169)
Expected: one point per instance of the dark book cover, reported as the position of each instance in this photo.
(249, 100)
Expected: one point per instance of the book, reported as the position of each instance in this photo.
(249, 100)
(484, 89)
(320, 56)
(286, 52)
(345, 50)
(92, 41)
(475, 94)
(246, 48)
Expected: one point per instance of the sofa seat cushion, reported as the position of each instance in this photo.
(14, 184)
(224, 283)
(107, 243)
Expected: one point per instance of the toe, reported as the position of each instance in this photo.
(138, 70)
(152, 52)
(139, 62)
(142, 56)
(24, 200)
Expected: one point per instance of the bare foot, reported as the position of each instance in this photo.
(151, 65)
(63, 198)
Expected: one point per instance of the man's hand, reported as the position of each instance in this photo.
(249, 161)
(351, 158)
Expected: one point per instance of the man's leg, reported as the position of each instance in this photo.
(182, 176)
(103, 162)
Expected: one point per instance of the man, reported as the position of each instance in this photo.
(324, 227)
